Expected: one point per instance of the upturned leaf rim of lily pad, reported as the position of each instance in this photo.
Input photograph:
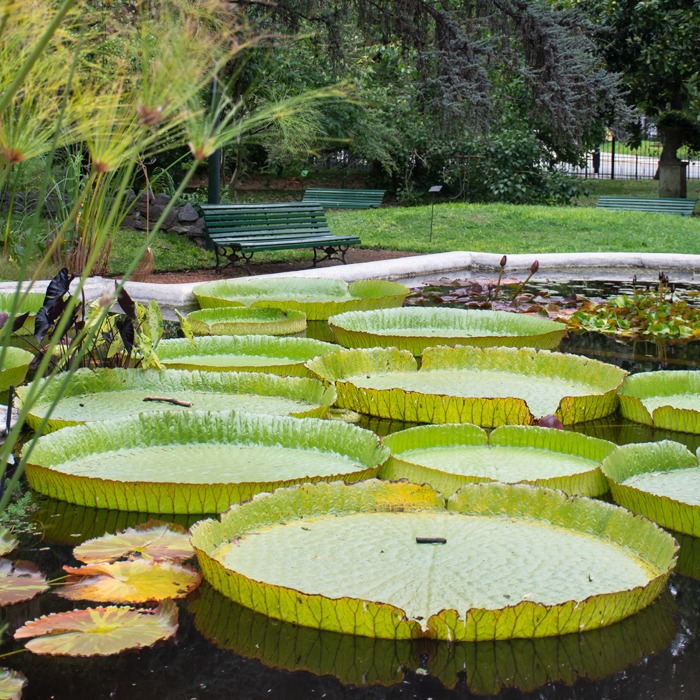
(164, 382)
(340, 367)
(660, 457)
(588, 482)
(48, 475)
(347, 615)
(481, 328)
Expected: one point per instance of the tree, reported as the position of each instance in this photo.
(654, 45)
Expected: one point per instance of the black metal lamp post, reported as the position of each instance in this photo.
(214, 162)
(433, 190)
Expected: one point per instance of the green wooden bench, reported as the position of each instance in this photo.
(682, 207)
(238, 231)
(345, 199)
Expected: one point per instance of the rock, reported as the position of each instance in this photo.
(188, 214)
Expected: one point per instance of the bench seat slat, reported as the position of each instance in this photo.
(340, 198)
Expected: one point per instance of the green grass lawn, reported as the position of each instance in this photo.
(493, 228)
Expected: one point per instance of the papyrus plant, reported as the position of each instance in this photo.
(116, 86)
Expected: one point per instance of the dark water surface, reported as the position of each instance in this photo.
(223, 650)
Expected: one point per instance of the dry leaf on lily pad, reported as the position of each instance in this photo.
(152, 540)
(19, 581)
(11, 684)
(99, 631)
(129, 581)
(7, 541)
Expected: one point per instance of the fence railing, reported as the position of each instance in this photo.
(617, 161)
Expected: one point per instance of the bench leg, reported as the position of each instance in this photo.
(330, 253)
(235, 257)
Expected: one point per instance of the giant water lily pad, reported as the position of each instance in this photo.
(417, 328)
(660, 480)
(196, 463)
(317, 298)
(485, 667)
(449, 456)
(229, 320)
(261, 353)
(106, 394)
(394, 560)
(485, 386)
(669, 400)
(99, 631)
(14, 367)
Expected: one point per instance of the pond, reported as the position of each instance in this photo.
(223, 650)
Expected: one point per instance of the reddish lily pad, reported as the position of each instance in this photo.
(99, 631)
(19, 581)
(156, 541)
(129, 581)
(11, 684)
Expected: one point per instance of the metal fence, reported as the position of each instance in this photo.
(616, 161)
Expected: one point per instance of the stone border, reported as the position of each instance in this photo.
(414, 270)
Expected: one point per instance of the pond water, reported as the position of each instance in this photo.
(225, 651)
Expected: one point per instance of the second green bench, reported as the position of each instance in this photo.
(237, 231)
(683, 207)
(345, 199)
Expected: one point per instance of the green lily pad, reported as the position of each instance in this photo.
(449, 456)
(11, 684)
(393, 560)
(485, 386)
(196, 463)
(99, 631)
(30, 303)
(14, 368)
(485, 667)
(417, 328)
(246, 321)
(256, 353)
(106, 394)
(668, 400)
(660, 480)
(318, 298)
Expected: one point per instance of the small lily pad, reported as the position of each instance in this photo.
(159, 542)
(20, 581)
(11, 684)
(99, 631)
(231, 320)
(137, 581)
(8, 541)
(15, 366)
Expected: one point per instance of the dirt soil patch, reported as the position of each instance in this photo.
(357, 255)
